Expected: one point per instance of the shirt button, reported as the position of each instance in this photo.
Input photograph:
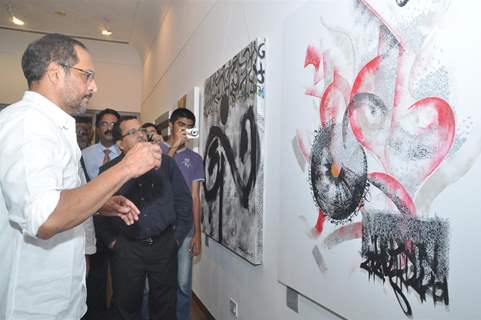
(141, 198)
(140, 184)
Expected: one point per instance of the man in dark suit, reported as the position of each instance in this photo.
(149, 247)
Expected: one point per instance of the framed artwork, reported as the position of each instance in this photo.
(384, 152)
(162, 123)
(232, 139)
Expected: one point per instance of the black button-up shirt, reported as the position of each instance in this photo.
(164, 201)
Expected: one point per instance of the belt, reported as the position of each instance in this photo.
(149, 240)
(152, 239)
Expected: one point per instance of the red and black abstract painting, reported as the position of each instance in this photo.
(379, 153)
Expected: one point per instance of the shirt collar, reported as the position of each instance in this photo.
(113, 148)
(50, 109)
(178, 150)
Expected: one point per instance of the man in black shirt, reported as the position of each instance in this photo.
(147, 248)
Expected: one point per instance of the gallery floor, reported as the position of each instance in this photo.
(199, 312)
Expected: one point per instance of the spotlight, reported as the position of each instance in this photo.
(14, 19)
(105, 29)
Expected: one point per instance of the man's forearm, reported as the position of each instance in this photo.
(76, 205)
(171, 151)
(196, 212)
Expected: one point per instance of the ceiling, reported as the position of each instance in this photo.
(133, 22)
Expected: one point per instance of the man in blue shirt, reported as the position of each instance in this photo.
(105, 150)
(149, 247)
(94, 157)
(191, 166)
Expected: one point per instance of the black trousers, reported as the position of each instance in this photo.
(134, 260)
(97, 284)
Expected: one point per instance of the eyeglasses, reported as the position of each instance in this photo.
(88, 74)
(134, 131)
(106, 123)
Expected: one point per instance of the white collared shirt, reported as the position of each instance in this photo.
(39, 157)
(94, 157)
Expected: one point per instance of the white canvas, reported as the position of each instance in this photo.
(380, 171)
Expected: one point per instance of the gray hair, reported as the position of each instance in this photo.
(53, 47)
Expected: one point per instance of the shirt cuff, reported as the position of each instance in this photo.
(38, 211)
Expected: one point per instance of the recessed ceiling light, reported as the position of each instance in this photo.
(14, 19)
(105, 26)
(17, 21)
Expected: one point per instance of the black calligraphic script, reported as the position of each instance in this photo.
(409, 253)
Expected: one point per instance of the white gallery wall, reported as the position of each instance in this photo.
(195, 39)
(118, 71)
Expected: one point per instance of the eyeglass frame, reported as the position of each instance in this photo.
(89, 74)
(103, 123)
(134, 131)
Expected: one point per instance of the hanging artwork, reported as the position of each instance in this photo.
(162, 124)
(379, 138)
(232, 135)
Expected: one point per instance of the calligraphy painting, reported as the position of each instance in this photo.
(232, 135)
(383, 137)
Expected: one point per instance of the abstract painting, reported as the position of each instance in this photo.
(232, 135)
(379, 140)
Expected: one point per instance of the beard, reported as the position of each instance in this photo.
(78, 105)
(75, 102)
(80, 110)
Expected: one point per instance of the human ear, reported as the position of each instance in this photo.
(54, 72)
(120, 145)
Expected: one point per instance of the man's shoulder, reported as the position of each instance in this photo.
(90, 150)
(164, 146)
(20, 111)
(189, 153)
(23, 116)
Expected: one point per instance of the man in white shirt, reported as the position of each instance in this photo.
(42, 201)
(94, 157)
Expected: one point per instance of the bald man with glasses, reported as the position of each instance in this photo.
(148, 249)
